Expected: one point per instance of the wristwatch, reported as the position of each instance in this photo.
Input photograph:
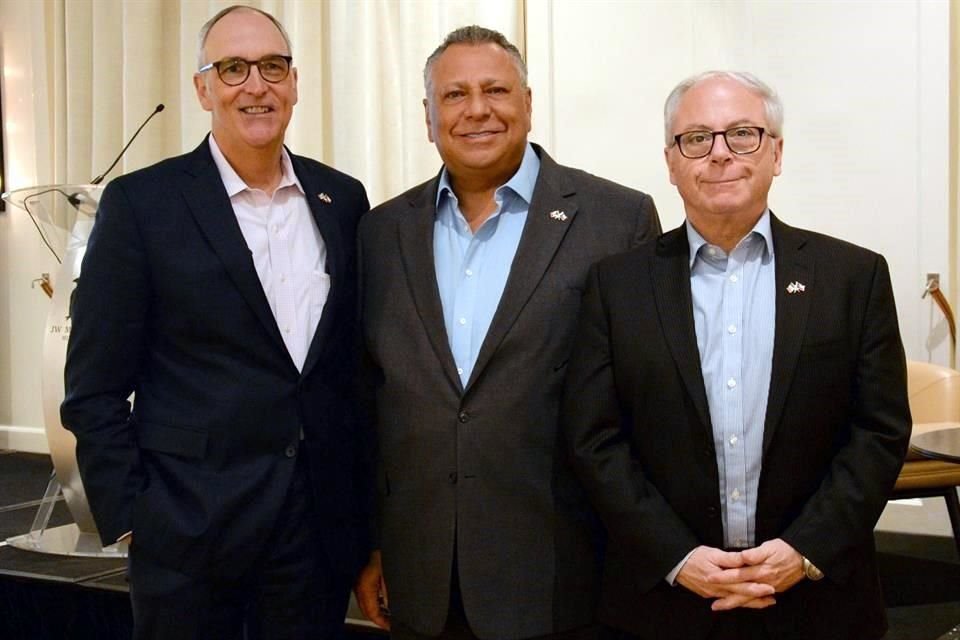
(810, 570)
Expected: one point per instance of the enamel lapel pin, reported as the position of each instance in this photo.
(556, 214)
(796, 287)
(324, 198)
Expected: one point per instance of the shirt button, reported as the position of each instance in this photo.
(711, 251)
(735, 494)
(731, 383)
(469, 272)
(734, 440)
(734, 278)
(460, 370)
(463, 321)
(732, 329)
(290, 451)
(283, 278)
(276, 229)
(286, 329)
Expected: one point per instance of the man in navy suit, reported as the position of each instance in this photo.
(219, 288)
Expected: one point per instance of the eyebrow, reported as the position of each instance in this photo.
(730, 125)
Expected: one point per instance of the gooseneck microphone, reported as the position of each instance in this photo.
(103, 175)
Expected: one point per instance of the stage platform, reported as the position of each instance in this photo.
(46, 597)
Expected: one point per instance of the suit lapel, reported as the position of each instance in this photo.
(415, 236)
(542, 235)
(208, 202)
(792, 266)
(670, 270)
(325, 216)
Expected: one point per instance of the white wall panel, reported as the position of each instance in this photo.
(866, 88)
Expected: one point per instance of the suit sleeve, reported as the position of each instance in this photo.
(637, 517)
(109, 328)
(369, 379)
(648, 222)
(843, 511)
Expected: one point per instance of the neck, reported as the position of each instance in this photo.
(475, 195)
(726, 230)
(258, 168)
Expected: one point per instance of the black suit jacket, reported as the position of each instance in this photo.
(836, 431)
(482, 467)
(169, 307)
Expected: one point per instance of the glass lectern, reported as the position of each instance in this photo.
(63, 216)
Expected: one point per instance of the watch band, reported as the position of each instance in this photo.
(810, 570)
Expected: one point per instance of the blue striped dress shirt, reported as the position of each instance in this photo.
(472, 268)
(734, 313)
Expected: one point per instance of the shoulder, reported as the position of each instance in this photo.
(163, 171)
(829, 250)
(562, 177)
(324, 172)
(591, 184)
(421, 195)
(400, 206)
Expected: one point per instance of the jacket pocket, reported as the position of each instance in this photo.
(188, 442)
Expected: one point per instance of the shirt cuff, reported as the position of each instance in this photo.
(672, 576)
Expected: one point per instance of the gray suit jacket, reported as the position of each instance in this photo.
(480, 471)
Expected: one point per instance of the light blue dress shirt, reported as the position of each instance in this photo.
(472, 268)
(734, 313)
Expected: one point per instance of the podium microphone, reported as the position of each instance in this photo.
(103, 175)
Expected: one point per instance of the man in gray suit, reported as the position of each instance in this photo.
(471, 287)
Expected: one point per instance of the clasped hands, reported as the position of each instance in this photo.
(748, 578)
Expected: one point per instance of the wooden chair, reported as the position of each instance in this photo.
(934, 396)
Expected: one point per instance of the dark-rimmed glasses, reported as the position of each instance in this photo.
(699, 144)
(235, 71)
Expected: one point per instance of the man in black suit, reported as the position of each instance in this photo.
(219, 288)
(471, 285)
(736, 402)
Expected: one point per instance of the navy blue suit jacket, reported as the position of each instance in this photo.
(169, 307)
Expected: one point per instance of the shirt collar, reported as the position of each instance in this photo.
(762, 228)
(234, 184)
(521, 183)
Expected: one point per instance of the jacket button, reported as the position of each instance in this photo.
(463, 417)
(290, 451)
(452, 477)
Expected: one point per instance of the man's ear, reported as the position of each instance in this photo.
(426, 119)
(203, 91)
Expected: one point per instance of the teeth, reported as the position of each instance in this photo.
(255, 109)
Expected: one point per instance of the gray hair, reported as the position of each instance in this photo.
(475, 35)
(205, 29)
(772, 105)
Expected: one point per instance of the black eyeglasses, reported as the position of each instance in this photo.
(235, 71)
(699, 144)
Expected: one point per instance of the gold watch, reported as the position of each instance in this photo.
(810, 570)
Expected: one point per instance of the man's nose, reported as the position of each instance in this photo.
(477, 105)
(720, 151)
(255, 83)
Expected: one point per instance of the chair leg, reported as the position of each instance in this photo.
(953, 510)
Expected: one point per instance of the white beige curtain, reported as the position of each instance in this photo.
(96, 69)
(79, 76)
